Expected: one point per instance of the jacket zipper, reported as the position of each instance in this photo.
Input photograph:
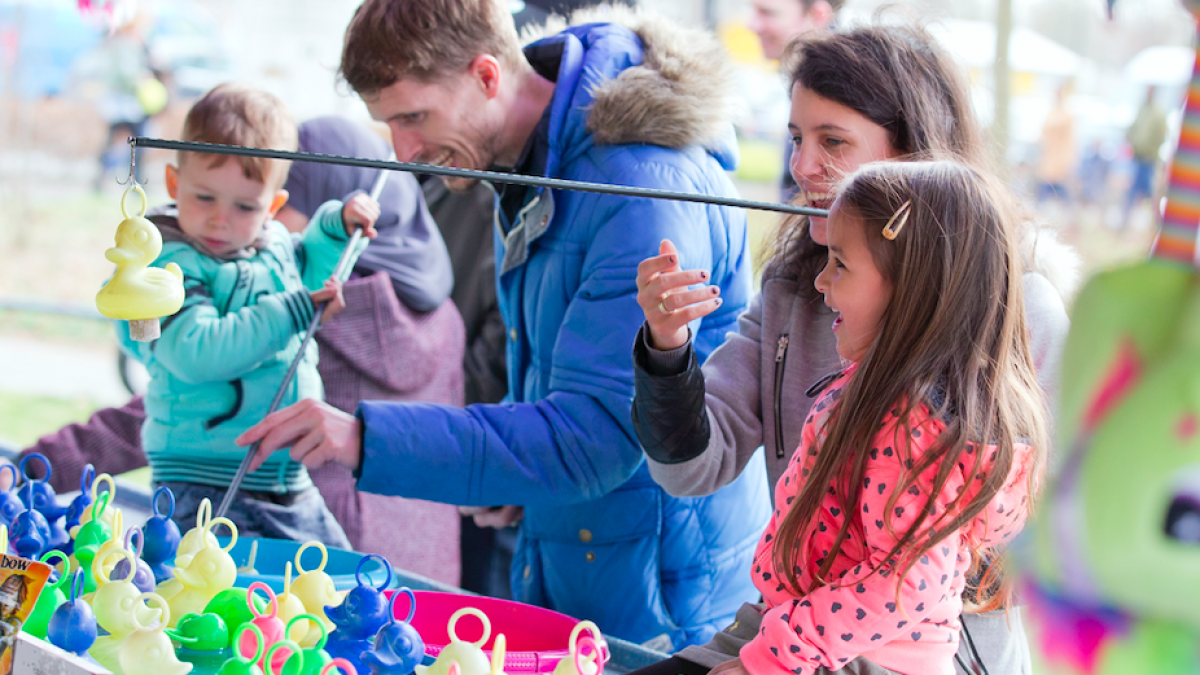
(780, 359)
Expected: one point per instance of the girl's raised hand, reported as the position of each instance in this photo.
(666, 301)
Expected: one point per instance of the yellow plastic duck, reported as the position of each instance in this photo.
(468, 656)
(139, 293)
(315, 588)
(148, 651)
(290, 607)
(106, 516)
(118, 610)
(210, 571)
(198, 537)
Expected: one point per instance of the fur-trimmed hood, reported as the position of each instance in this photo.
(1046, 255)
(681, 94)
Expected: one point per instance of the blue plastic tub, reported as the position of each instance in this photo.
(273, 554)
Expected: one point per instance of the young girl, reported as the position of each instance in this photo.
(924, 452)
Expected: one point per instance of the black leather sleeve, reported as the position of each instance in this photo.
(669, 416)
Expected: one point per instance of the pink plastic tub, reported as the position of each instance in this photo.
(536, 638)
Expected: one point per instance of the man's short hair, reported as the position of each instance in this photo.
(235, 114)
(424, 40)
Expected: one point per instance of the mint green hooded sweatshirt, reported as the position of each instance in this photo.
(223, 356)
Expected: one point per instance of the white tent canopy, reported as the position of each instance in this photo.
(974, 43)
(1161, 65)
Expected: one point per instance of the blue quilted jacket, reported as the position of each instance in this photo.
(600, 540)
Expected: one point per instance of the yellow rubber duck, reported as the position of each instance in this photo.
(210, 571)
(138, 292)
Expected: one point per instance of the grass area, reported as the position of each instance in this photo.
(55, 327)
(24, 419)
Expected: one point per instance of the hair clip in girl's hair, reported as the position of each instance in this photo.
(897, 221)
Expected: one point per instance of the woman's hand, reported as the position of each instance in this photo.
(332, 294)
(666, 301)
(361, 211)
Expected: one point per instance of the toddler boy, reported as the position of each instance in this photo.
(251, 290)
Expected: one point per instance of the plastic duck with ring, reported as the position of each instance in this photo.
(117, 609)
(298, 660)
(114, 543)
(360, 615)
(397, 648)
(143, 577)
(208, 572)
(10, 501)
(72, 627)
(139, 293)
(160, 536)
(194, 539)
(314, 587)
(270, 627)
(239, 664)
(29, 531)
(90, 536)
(94, 493)
(290, 607)
(468, 655)
(148, 651)
(52, 595)
(79, 504)
(42, 498)
(588, 654)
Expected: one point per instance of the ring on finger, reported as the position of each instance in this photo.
(663, 307)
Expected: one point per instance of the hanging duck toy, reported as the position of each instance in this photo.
(139, 293)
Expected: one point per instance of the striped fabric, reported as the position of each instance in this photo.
(1181, 219)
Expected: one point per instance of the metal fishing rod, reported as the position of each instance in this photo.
(492, 176)
(339, 273)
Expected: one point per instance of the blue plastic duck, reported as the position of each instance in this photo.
(398, 648)
(10, 502)
(41, 497)
(360, 616)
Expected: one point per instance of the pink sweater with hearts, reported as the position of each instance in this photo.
(857, 614)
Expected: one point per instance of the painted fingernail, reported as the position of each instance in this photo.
(718, 301)
(703, 276)
(671, 260)
(714, 290)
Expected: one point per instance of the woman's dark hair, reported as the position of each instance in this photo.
(897, 77)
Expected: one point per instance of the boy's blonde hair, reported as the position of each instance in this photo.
(424, 40)
(235, 114)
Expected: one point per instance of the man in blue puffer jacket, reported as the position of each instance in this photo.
(630, 101)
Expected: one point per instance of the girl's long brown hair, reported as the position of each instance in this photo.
(953, 338)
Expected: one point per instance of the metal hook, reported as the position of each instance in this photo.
(132, 179)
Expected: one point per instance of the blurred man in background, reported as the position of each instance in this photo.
(778, 22)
